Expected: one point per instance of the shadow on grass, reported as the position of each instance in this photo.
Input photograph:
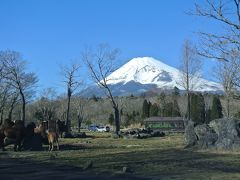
(169, 162)
(172, 161)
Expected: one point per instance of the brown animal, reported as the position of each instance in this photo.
(41, 130)
(12, 132)
(52, 138)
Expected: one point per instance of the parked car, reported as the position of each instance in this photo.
(101, 129)
(98, 128)
(93, 128)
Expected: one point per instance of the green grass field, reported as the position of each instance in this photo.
(163, 157)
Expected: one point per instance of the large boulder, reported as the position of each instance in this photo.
(189, 135)
(205, 135)
(228, 131)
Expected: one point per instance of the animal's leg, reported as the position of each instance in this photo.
(49, 146)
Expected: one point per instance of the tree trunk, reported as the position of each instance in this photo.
(228, 107)
(3, 106)
(188, 106)
(12, 107)
(68, 122)
(10, 113)
(23, 106)
(1, 121)
(117, 120)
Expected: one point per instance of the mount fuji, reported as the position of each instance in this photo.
(145, 74)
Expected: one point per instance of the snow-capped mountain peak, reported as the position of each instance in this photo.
(147, 70)
(144, 74)
(143, 70)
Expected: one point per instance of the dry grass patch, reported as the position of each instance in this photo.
(162, 157)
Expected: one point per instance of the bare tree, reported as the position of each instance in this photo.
(228, 73)
(8, 100)
(71, 79)
(46, 106)
(190, 72)
(222, 45)
(80, 109)
(4, 92)
(101, 65)
(16, 76)
(14, 98)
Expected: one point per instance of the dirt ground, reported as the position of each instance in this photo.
(15, 169)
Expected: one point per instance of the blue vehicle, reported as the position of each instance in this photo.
(93, 128)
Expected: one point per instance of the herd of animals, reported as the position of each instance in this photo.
(14, 132)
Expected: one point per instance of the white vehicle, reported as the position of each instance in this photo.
(101, 129)
(98, 128)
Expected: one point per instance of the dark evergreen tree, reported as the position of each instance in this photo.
(153, 110)
(94, 98)
(197, 108)
(145, 108)
(216, 111)
(168, 109)
(176, 91)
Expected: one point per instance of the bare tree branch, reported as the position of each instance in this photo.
(101, 65)
(72, 81)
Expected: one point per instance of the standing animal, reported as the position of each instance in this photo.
(42, 132)
(52, 138)
(12, 132)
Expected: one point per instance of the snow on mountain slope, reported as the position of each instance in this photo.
(149, 71)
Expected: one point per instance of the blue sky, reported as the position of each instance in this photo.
(53, 32)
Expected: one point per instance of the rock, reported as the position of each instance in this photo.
(205, 135)
(67, 135)
(157, 133)
(189, 135)
(141, 133)
(228, 133)
(143, 136)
